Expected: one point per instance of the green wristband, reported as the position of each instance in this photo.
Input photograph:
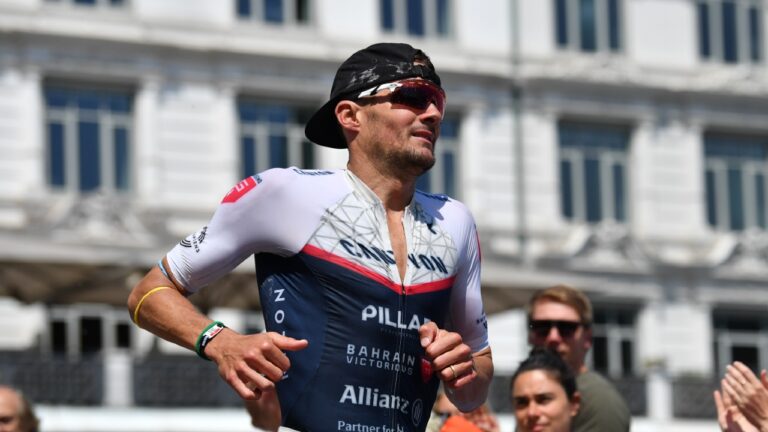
(206, 336)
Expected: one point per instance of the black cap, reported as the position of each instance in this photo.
(378, 64)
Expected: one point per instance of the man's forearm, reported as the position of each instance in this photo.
(165, 313)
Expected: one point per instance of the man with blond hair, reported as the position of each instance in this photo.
(560, 318)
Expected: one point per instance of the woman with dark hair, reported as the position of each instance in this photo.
(544, 394)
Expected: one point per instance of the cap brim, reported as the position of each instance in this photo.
(323, 129)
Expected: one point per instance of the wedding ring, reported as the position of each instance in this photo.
(454, 372)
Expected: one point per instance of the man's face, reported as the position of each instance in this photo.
(10, 406)
(400, 136)
(571, 347)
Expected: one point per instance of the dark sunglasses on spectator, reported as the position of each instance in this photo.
(413, 93)
(541, 328)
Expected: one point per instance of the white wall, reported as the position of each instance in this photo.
(677, 337)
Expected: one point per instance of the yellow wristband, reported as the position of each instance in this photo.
(144, 297)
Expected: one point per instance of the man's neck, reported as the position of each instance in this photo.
(394, 192)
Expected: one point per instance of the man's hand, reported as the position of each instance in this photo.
(748, 393)
(252, 364)
(450, 357)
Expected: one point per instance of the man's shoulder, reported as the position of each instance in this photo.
(443, 204)
(593, 382)
(602, 406)
(310, 181)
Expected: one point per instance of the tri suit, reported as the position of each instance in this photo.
(327, 273)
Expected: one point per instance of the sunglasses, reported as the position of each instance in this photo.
(413, 93)
(541, 328)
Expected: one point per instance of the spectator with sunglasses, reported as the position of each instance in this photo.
(370, 289)
(560, 318)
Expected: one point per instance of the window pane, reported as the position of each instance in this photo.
(561, 23)
(566, 189)
(59, 336)
(711, 198)
(627, 356)
(588, 22)
(730, 41)
(600, 354)
(244, 8)
(86, 99)
(90, 335)
(122, 159)
(119, 103)
(705, 50)
(302, 11)
(618, 192)
(248, 148)
(273, 11)
(123, 335)
(423, 183)
(592, 185)
(387, 14)
(760, 200)
(449, 174)
(415, 17)
(755, 38)
(278, 151)
(735, 199)
(443, 17)
(747, 355)
(56, 158)
(613, 25)
(307, 155)
(89, 156)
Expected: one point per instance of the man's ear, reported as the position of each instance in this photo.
(588, 338)
(346, 115)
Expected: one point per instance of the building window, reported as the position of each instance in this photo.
(593, 171)
(443, 177)
(87, 330)
(742, 336)
(272, 136)
(730, 31)
(613, 341)
(88, 133)
(92, 3)
(588, 25)
(274, 11)
(424, 18)
(735, 181)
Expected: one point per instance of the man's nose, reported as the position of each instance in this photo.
(554, 335)
(432, 114)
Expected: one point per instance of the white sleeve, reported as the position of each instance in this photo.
(262, 213)
(467, 316)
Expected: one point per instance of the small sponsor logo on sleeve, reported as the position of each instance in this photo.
(241, 189)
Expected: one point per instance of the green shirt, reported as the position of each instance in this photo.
(602, 407)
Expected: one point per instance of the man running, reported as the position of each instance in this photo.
(370, 289)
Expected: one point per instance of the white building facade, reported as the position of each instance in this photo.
(619, 146)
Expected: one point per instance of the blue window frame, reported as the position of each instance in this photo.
(588, 25)
(730, 31)
(422, 18)
(593, 171)
(272, 136)
(736, 171)
(88, 138)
